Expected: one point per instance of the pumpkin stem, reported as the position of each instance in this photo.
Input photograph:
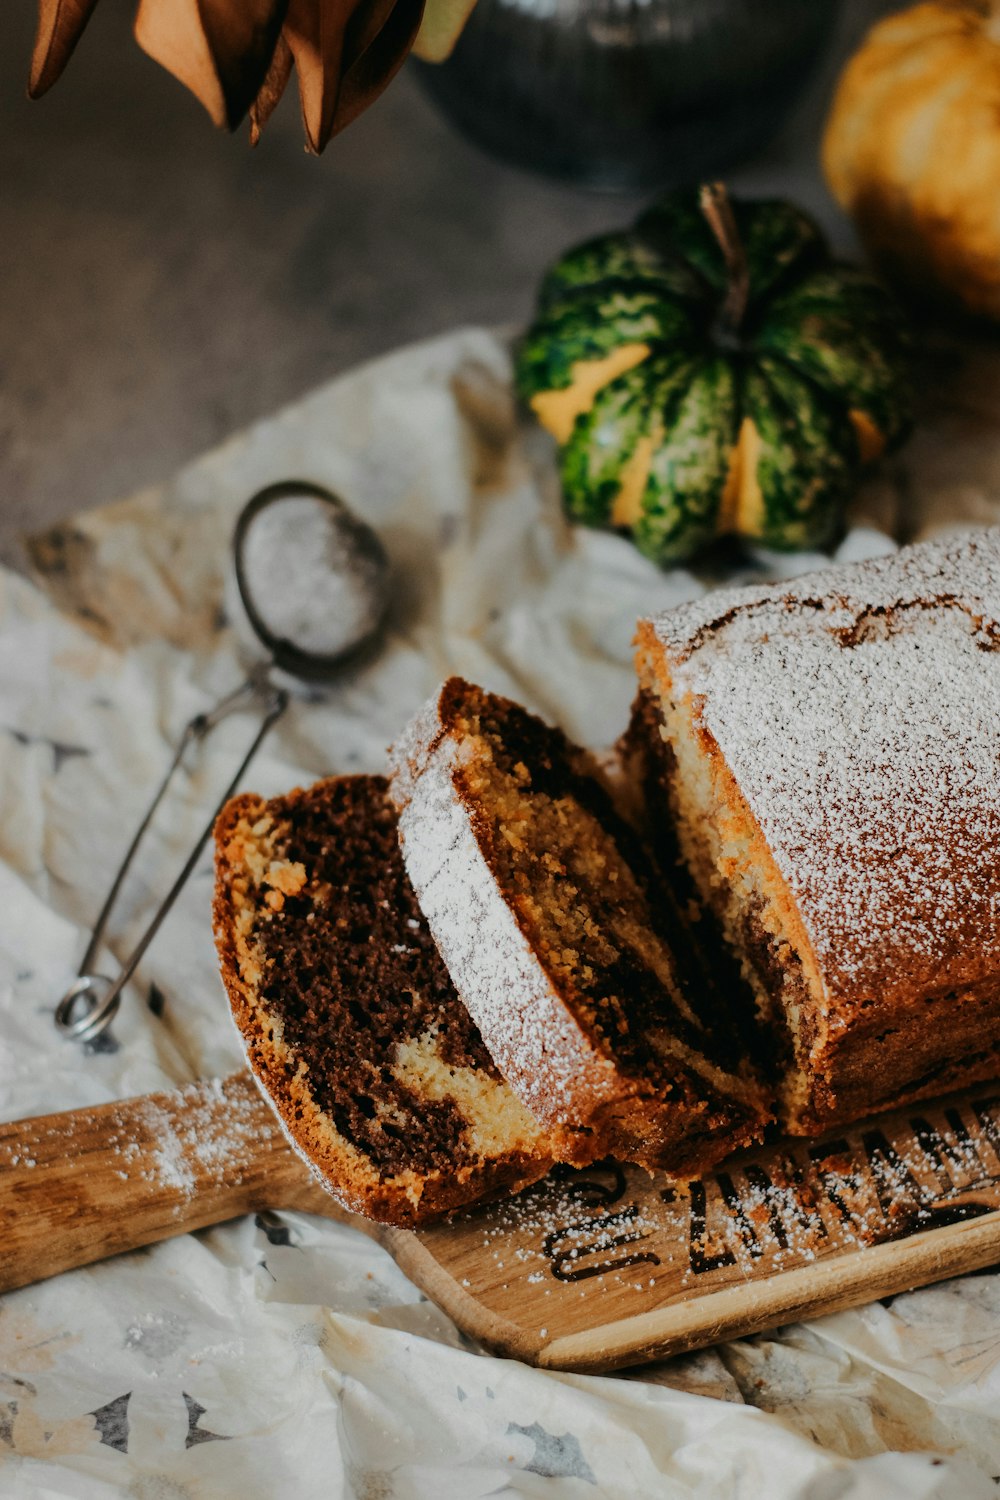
(715, 205)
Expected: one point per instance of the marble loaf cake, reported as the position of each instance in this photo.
(822, 763)
(350, 1022)
(538, 895)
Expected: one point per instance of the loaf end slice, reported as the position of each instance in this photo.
(349, 1020)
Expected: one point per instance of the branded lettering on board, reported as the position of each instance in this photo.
(791, 1205)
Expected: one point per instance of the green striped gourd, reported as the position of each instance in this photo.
(713, 371)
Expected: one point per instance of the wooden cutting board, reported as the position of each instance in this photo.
(590, 1270)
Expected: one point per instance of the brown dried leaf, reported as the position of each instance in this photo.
(364, 26)
(314, 30)
(242, 36)
(60, 24)
(271, 89)
(220, 49)
(377, 65)
(172, 34)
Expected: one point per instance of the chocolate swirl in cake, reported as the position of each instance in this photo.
(349, 1019)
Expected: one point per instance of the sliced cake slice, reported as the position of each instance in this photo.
(350, 1022)
(537, 893)
(822, 761)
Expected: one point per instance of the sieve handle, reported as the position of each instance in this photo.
(103, 996)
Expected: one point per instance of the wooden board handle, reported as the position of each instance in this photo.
(80, 1186)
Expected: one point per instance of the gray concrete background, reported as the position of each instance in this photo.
(161, 285)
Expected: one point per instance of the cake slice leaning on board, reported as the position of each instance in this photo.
(822, 761)
(350, 1023)
(538, 895)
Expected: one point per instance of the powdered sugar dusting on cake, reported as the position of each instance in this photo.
(522, 1020)
(859, 711)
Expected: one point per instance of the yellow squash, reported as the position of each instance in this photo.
(912, 148)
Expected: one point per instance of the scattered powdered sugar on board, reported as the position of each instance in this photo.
(204, 1136)
(859, 711)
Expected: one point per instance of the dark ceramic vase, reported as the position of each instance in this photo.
(625, 95)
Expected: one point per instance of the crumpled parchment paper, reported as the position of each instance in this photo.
(288, 1355)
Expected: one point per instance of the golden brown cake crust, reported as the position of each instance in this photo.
(349, 1021)
(858, 714)
(859, 711)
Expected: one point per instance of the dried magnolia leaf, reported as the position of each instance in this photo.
(242, 36)
(271, 89)
(441, 28)
(364, 26)
(172, 34)
(345, 52)
(60, 24)
(220, 49)
(314, 30)
(379, 63)
(332, 38)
